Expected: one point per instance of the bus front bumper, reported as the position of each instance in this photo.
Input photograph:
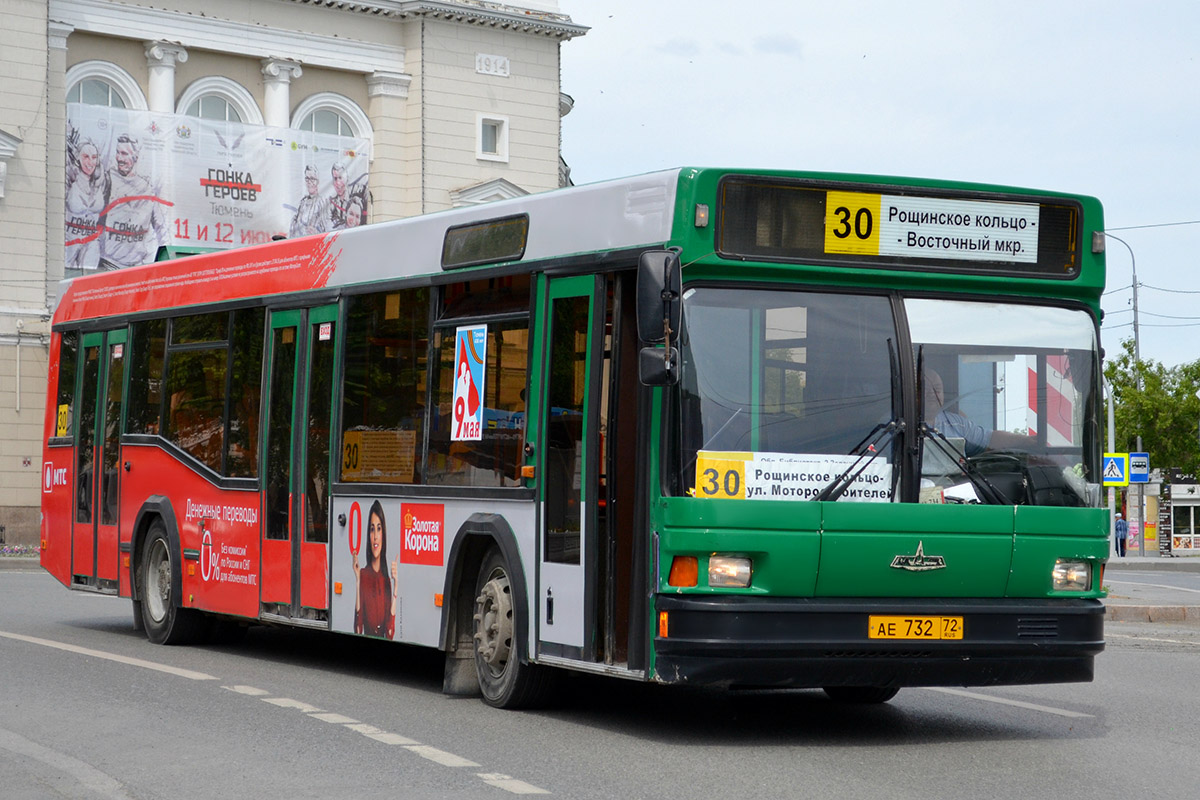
(817, 642)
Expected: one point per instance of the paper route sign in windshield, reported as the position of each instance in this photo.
(788, 476)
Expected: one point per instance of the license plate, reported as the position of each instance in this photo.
(922, 628)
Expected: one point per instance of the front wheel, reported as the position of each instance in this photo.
(504, 681)
(164, 620)
(860, 695)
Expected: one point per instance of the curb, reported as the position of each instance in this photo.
(20, 562)
(1132, 613)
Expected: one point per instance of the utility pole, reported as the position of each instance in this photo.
(1137, 377)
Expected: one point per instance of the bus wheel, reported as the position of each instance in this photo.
(164, 620)
(860, 694)
(504, 681)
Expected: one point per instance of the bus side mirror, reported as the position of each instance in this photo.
(659, 296)
(658, 366)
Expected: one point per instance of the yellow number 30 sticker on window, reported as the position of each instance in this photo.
(721, 475)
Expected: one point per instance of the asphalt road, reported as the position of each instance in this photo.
(89, 709)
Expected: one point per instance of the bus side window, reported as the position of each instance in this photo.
(149, 345)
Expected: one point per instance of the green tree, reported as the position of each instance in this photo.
(1165, 411)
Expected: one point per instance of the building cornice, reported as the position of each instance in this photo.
(470, 12)
(200, 32)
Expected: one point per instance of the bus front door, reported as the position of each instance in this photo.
(569, 466)
(94, 531)
(295, 546)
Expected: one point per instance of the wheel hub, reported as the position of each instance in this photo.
(494, 622)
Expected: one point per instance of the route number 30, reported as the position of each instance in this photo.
(851, 223)
(721, 478)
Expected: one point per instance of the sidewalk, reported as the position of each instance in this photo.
(1131, 602)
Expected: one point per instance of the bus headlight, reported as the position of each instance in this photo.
(729, 571)
(1072, 576)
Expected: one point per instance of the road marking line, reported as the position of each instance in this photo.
(287, 702)
(88, 776)
(335, 718)
(379, 734)
(440, 756)
(133, 662)
(1149, 639)
(510, 784)
(1156, 586)
(248, 690)
(1062, 712)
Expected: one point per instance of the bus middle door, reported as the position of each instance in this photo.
(94, 536)
(569, 466)
(295, 546)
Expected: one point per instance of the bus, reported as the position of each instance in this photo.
(708, 427)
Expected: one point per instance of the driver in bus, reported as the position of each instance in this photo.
(951, 424)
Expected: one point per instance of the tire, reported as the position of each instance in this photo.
(860, 695)
(164, 620)
(504, 680)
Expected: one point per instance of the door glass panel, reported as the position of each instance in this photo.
(68, 360)
(564, 428)
(320, 389)
(85, 444)
(112, 434)
(279, 432)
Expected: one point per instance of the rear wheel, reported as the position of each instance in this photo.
(165, 622)
(504, 681)
(862, 695)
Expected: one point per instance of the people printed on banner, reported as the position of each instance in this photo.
(346, 196)
(87, 194)
(312, 215)
(376, 587)
(135, 225)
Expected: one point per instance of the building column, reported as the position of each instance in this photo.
(277, 103)
(162, 57)
(392, 162)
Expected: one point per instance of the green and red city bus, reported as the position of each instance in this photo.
(701, 426)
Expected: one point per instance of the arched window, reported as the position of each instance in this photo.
(101, 83)
(329, 112)
(323, 120)
(95, 92)
(216, 97)
(210, 106)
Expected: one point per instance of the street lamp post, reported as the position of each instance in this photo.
(1137, 377)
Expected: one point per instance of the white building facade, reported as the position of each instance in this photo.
(446, 103)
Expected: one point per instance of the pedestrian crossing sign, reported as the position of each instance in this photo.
(1116, 469)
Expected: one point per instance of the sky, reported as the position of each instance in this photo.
(1098, 98)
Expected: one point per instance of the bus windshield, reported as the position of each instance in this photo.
(805, 377)
(800, 387)
(1009, 387)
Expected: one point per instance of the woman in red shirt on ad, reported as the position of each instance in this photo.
(375, 601)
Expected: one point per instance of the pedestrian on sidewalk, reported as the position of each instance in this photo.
(1122, 534)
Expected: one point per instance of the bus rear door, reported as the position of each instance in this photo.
(94, 538)
(295, 546)
(569, 467)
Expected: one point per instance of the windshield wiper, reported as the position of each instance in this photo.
(982, 485)
(867, 450)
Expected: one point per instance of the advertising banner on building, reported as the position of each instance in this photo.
(139, 180)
